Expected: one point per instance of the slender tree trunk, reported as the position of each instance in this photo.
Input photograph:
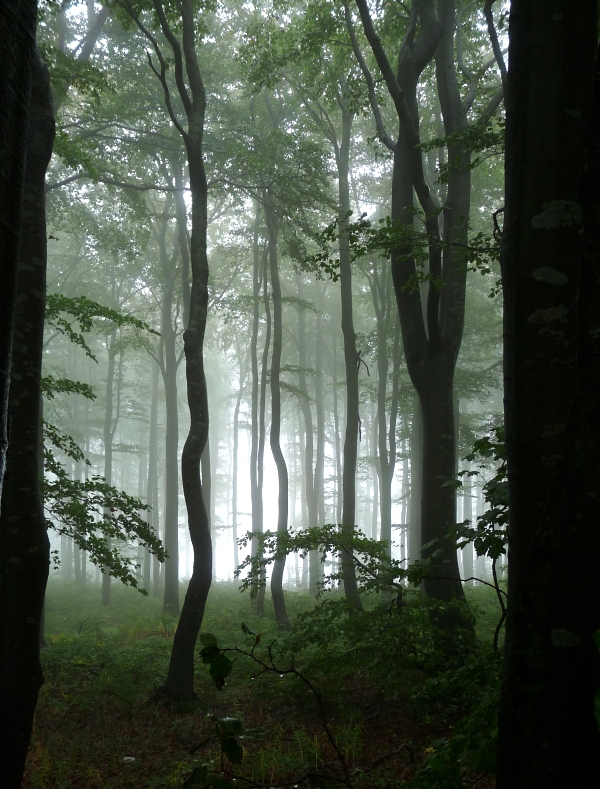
(255, 492)
(414, 492)
(234, 460)
(275, 433)
(352, 363)
(310, 492)
(315, 561)
(109, 432)
(169, 374)
(260, 594)
(24, 548)
(152, 484)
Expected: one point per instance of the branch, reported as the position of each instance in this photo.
(175, 46)
(113, 182)
(381, 132)
(489, 17)
(126, 6)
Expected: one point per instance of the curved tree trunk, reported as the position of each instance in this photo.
(275, 433)
(24, 548)
(179, 683)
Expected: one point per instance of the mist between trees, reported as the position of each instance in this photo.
(257, 337)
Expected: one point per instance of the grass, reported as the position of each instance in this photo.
(102, 663)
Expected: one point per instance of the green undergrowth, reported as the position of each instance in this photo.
(405, 706)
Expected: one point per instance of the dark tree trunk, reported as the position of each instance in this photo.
(179, 683)
(431, 340)
(548, 735)
(152, 487)
(262, 434)
(17, 51)
(169, 365)
(275, 433)
(24, 549)
(351, 359)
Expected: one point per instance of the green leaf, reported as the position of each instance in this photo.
(208, 640)
(198, 777)
(220, 667)
(208, 654)
(229, 727)
(232, 750)
(247, 630)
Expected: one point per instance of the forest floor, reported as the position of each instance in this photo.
(94, 727)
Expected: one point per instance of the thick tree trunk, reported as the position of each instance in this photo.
(431, 340)
(24, 548)
(275, 433)
(548, 735)
(17, 52)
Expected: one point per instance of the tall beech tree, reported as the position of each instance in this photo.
(432, 335)
(24, 547)
(191, 91)
(548, 735)
(17, 52)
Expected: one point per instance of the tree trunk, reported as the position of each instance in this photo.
(352, 364)
(550, 273)
(110, 425)
(17, 53)
(24, 548)
(179, 683)
(152, 486)
(234, 460)
(310, 492)
(169, 367)
(275, 433)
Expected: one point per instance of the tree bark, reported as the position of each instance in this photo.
(550, 274)
(179, 683)
(431, 340)
(24, 547)
(275, 432)
(351, 360)
(17, 53)
(169, 365)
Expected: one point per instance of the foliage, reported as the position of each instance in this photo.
(91, 512)
(382, 237)
(87, 314)
(488, 534)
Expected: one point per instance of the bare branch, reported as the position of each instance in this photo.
(489, 17)
(381, 132)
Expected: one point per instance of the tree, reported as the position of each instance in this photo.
(17, 51)
(431, 336)
(24, 547)
(548, 735)
(179, 683)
